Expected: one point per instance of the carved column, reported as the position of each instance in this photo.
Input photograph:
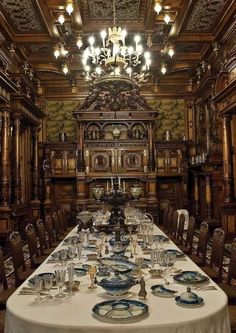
(208, 196)
(6, 224)
(5, 157)
(227, 159)
(152, 202)
(47, 168)
(16, 188)
(35, 203)
(196, 195)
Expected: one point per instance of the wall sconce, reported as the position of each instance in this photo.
(149, 40)
(59, 50)
(216, 47)
(163, 68)
(171, 51)
(65, 69)
(167, 18)
(79, 41)
(69, 6)
(61, 19)
(56, 51)
(158, 7)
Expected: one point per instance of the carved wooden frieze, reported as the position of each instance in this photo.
(204, 15)
(125, 9)
(23, 15)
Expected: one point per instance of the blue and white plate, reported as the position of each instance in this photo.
(200, 302)
(161, 238)
(124, 240)
(119, 265)
(121, 310)
(39, 276)
(178, 253)
(80, 271)
(162, 291)
(190, 277)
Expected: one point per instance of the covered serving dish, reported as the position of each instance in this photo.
(117, 284)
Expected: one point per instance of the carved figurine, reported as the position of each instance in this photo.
(142, 292)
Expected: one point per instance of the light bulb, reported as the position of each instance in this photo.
(91, 40)
(69, 6)
(171, 51)
(65, 69)
(98, 70)
(103, 34)
(97, 51)
(87, 68)
(167, 18)
(79, 42)
(56, 52)
(147, 55)
(117, 71)
(130, 50)
(163, 69)
(137, 39)
(61, 19)
(158, 7)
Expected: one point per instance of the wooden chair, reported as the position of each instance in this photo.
(168, 221)
(57, 227)
(214, 269)
(188, 243)
(227, 287)
(164, 217)
(173, 227)
(200, 257)
(232, 317)
(20, 271)
(6, 292)
(43, 243)
(36, 258)
(180, 230)
(62, 221)
(51, 233)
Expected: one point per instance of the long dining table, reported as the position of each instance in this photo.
(74, 313)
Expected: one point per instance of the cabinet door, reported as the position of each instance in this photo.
(173, 161)
(161, 162)
(58, 161)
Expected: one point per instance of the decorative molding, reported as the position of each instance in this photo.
(204, 15)
(23, 15)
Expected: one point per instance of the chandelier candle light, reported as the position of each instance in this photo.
(114, 57)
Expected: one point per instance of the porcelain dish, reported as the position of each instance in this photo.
(117, 284)
(39, 276)
(119, 265)
(162, 291)
(80, 271)
(161, 238)
(176, 252)
(190, 277)
(121, 310)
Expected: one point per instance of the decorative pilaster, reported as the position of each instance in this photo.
(5, 157)
(16, 188)
(227, 159)
(196, 195)
(6, 224)
(208, 196)
(152, 202)
(35, 203)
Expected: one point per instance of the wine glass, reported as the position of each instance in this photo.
(71, 252)
(48, 280)
(79, 249)
(38, 287)
(60, 280)
(63, 256)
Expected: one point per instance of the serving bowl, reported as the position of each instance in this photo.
(117, 284)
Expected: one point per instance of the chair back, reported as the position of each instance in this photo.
(49, 229)
(169, 221)
(56, 224)
(190, 233)
(232, 263)
(42, 235)
(62, 221)
(32, 242)
(180, 229)
(173, 227)
(17, 254)
(217, 251)
(3, 278)
(164, 216)
(202, 241)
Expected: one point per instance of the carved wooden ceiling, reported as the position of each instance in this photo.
(33, 28)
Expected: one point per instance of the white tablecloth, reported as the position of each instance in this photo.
(74, 314)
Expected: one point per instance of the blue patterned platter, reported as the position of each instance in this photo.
(162, 291)
(124, 240)
(121, 310)
(186, 304)
(39, 276)
(161, 238)
(119, 265)
(80, 271)
(190, 277)
(178, 253)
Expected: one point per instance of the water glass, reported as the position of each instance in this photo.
(71, 252)
(63, 256)
(38, 287)
(48, 280)
(60, 281)
(79, 249)
(71, 280)
(153, 258)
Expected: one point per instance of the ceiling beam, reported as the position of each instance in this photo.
(48, 19)
(183, 12)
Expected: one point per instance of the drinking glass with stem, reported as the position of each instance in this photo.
(38, 287)
(70, 270)
(60, 280)
(48, 281)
